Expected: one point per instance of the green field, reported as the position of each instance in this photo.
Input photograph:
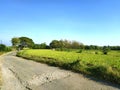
(87, 62)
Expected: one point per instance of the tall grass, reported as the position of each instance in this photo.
(87, 62)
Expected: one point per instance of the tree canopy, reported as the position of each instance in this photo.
(65, 44)
(22, 42)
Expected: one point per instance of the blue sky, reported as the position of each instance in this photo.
(95, 22)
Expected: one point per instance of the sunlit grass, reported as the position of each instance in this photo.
(88, 62)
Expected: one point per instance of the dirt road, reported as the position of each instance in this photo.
(21, 74)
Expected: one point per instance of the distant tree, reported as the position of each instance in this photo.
(105, 50)
(82, 46)
(36, 46)
(26, 42)
(2, 47)
(75, 45)
(115, 47)
(55, 44)
(43, 45)
(87, 47)
(21, 42)
(15, 41)
(67, 44)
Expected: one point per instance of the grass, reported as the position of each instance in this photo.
(87, 62)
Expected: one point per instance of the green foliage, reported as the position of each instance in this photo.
(99, 65)
(105, 50)
(21, 42)
(92, 47)
(80, 51)
(55, 44)
(66, 44)
(96, 52)
(25, 41)
(15, 41)
(40, 46)
(2, 47)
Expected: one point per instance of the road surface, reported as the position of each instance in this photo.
(22, 74)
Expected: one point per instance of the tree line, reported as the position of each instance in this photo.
(4, 48)
(21, 42)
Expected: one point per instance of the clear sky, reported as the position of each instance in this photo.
(95, 22)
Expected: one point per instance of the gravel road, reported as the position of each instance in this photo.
(21, 74)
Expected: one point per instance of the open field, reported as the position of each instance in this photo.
(87, 62)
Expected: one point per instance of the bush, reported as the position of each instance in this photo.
(2, 47)
(96, 52)
(105, 50)
(80, 51)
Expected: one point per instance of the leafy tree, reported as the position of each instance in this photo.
(26, 42)
(2, 47)
(62, 44)
(15, 41)
(43, 45)
(40, 46)
(87, 47)
(21, 42)
(75, 45)
(55, 44)
(67, 44)
(105, 50)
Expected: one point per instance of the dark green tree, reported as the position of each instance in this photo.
(2, 47)
(21, 42)
(55, 44)
(26, 42)
(105, 50)
(15, 41)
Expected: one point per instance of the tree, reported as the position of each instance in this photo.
(26, 42)
(21, 42)
(15, 41)
(67, 44)
(54, 44)
(75, 45)
(43, 45)
(2, 47)
(105, 50)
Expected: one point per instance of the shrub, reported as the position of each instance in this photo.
(96, 52)
(2, 47)
(105, 50)
(80, 51)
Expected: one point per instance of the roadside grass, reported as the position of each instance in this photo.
(88, 62)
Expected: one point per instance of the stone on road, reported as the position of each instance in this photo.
(22, 74)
